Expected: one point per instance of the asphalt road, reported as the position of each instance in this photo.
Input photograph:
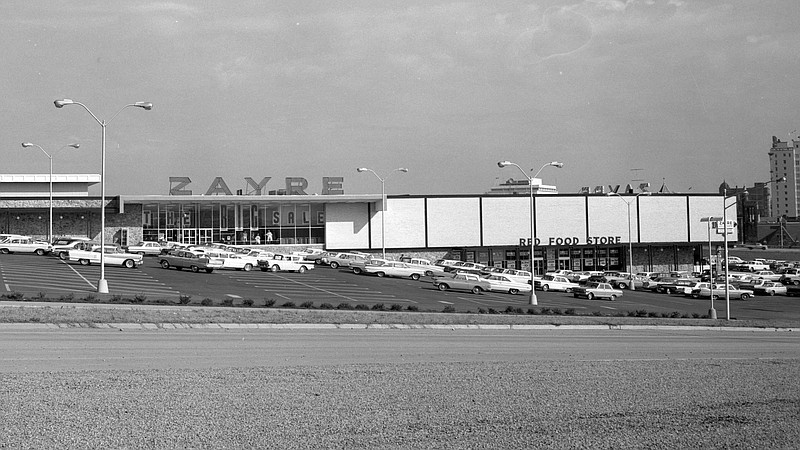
(50, 277)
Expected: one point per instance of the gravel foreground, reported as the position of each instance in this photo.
(584, 404)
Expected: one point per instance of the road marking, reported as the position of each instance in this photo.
(233, 295)
(446, 303)
(79, 275)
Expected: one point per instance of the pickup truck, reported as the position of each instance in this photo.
(462, 281)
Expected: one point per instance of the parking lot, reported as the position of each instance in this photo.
(54, 278)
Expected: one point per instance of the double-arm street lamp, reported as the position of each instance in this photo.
(102, 285)
(31, 144)
(630, 239)
(501, 164)
(383, 199)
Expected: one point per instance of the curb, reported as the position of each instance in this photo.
(362, 326)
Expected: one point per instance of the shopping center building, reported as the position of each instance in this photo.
(586, 231)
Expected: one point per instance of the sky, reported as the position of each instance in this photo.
(687, 93)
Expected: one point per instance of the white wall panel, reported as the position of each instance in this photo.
(405, 223)
(454, 222)
(700, 207)
(663, 219)
(346, 226)
(506, 220)
(608, 216)
(560, 218)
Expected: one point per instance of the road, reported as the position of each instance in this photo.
(300, 388)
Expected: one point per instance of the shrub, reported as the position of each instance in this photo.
(652, 314)
(227, 302)
(140, 297)
(184, 299)
(326, 306)
(492, 311)
(557, 311)
(482, 311)
(570, 312)
(344, 306)
(412, 308)
(547, 311)
(41, 296)
(533, 311)
(362, 307)
(513, 310)
(89, 298)
(396, 307)
(248, 302)
(675, 314)
(207, 302)
(378, 307)
(307, 305)
(269, 302)
(116, 298)
(597, 313)
(695, 315)
(641, 313)
(449, 309)
(289, 305)
(13, 296)
(67, 298)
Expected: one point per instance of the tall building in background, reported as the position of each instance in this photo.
(784, 162)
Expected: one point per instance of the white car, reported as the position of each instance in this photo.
(285, 263)
(502, 283)
(358, 266)
(310, 254)
(395, 269)
(235, 261)
(112, 256)
(426, 265)
(555, 283)
(145, 248)
(25, 244)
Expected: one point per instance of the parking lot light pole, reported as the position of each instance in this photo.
(630, 239)
(712, 313)
(383, 200)
(534, 300)
(31, 144)
(102, 284)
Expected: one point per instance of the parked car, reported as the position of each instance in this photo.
(235, 261)
(334, 260)
(719, 291)
(676, 286)
(285, 263)
(767, 275)
(465, 266)
(597, 290)
(112, 256)
(461, 281)
(310, 254)
(687, 290)
(502, 283)
(144, 248)
(395, 269)
(357, 266)
(429, 269)
(24, 244)
(187, 259)
(555, 283)
(770, 288)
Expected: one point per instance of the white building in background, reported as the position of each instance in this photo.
(521, 187)
(784, 161)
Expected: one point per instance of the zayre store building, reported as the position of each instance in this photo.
(574, 231)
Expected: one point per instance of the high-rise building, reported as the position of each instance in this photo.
(784, 161)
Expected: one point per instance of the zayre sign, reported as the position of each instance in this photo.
(294, 186)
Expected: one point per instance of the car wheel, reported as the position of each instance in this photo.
(164, 265)
(209, 270)
(622, 285)
(83, 262)
(745, 296)
(513, 291)
(334, 265)
(545, 287)
(195, 269)
(40, 252)
(275, 268)
(590, 296)
(129, 264)
(477, 290)
(613, 297)
(356, 270)
(302, 269)
(380, 274)
(695, 295)
(248, 267)
(428, 273)
(62, 255)
(796, 282)
(4, 251)
(415, 276)
(442, 287)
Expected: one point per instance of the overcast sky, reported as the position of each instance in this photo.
(690, 92)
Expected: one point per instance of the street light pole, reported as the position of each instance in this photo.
(383, 200)
(712, 313)
(533, 300)
(30, 144)
(102, 284)
(630, 239)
